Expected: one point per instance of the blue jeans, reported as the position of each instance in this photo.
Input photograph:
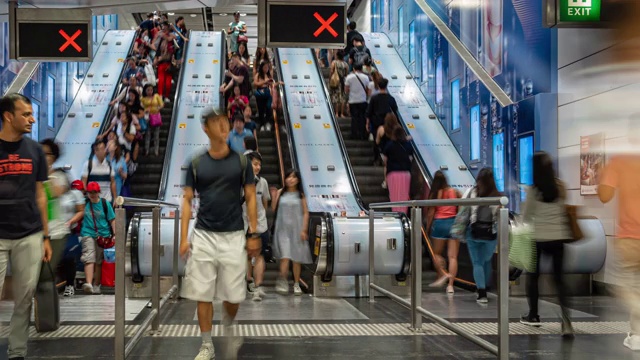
(481, 252)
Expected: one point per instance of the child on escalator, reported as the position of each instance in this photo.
(256, 265)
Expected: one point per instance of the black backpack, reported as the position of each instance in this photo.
(90, 167)
(361, 56)
(482, 228)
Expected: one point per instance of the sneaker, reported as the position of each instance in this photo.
(207, 352)
(256, 295)
(166, 100)
(531, 320)
(251, 287)
(297, 291)
(384, 184)
(371, 138)
(567, 328)
(440, 282)
(482, 296)
(87, 288)
(632, 342)
(268, 127)
(96, 290)
(450, 290)
(282, 286)
(69, 291)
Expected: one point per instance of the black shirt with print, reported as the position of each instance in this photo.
(22, 164)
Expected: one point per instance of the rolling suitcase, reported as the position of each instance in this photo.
(46, 304)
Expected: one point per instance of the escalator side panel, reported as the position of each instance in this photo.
(84, 119)
(199, 93)
(429, 137)
(352, 246)
(318, 154)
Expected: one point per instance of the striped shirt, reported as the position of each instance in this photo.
(102, 173)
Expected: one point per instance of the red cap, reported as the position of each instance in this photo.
(93, 187)
(78, 185)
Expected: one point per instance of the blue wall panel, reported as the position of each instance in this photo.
(507, 38)
(67, 78)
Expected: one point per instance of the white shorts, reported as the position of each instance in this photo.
(216, 268)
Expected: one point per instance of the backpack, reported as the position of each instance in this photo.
(104, 210)
(361, 56)
(196, 160)
(335, 82)
(482, 228)
(90, 167)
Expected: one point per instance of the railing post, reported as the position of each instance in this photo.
(121, 234)
(176, 252)
(372, 244)
(416, 267)
(503, 284)
(155, 267)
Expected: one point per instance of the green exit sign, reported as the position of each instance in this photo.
(580, 10)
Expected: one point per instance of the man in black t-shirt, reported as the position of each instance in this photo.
(239, 74)
(24, 232)
(379, 106)
(351, 34)
(217, 263)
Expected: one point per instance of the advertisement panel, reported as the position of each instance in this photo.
(591, 163)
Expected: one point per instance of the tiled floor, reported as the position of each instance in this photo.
(287, 327)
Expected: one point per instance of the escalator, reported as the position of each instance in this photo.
(88, 113)
(368, 176)
(338, 232)
(145, 184)
(435, 150)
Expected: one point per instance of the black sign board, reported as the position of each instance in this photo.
(50, 34)
(304, 24)
(53, 40)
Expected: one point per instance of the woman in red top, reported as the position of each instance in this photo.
(439, 222)
(237, 102)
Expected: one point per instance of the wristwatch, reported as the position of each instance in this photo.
(253, 235)
(46, 237)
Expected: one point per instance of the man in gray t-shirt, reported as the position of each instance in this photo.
(217, 265)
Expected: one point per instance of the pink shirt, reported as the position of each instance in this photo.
(621, 173)
(446, 212)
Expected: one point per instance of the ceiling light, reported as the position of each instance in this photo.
(171, 14)
(193, 15)
(243, 14)
(223, 14)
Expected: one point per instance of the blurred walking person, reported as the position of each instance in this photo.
(545, 210)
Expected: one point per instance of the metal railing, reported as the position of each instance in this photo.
(415, 303)
(122, 349)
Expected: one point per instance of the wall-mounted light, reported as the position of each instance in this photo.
(171, 14)
(193, 15)
(223, 14)
(243, 14)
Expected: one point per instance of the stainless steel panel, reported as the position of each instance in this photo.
(349, 231)
(167, 234)
(358, 286)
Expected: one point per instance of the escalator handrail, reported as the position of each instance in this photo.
(112, 109)
(421, 164)
(277, 131)
(285, 112)
(106, 121)
(174, 125)
(343, 147)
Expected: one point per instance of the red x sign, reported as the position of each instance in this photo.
(70, 40)
(326, 24)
